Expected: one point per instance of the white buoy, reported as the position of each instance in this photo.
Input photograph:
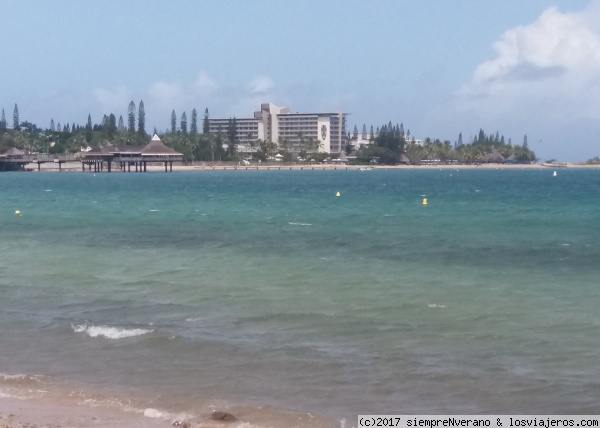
(554, 174)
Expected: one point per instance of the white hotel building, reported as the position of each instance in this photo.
(277, 124)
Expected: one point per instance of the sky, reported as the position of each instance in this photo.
(438, 67)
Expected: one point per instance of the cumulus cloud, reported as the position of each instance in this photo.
(204, 86)
(544, 79)
(163, 96)
(259, 90)
(166, 94)
(556, 46)
(112, 100)
(261, 85)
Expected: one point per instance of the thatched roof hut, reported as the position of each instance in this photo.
(13, 152)
(157, 148)
(99, 149)
(493, 157)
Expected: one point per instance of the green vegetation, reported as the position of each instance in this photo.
(389, 144)
(393, 146)
(593, 161)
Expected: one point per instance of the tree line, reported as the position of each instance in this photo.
(390, 144)
(196, 142)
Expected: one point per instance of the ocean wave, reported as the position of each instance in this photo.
(20, 378)
(109, 332)
(299, 224)
(433, 305)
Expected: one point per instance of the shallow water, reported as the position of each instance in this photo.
(264, 292)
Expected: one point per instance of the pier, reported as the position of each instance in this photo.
(100, 158)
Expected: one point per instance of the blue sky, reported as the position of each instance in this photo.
(439, 67)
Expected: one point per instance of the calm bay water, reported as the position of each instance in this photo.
(245, 289)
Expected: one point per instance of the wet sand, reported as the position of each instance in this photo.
(35, 413)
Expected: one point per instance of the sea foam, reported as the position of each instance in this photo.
(109, 332)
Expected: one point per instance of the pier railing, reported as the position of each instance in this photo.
(45, 157)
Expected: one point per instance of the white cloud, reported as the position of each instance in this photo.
(544, 79)
(260, 89)
(113, 101)
(204, 87)
(558, 46)
(260, 85)
(166, 95)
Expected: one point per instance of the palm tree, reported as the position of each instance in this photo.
(314, 145)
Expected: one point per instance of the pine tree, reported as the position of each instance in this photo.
(183, 123)
(16, 125)
(355, 133)
(88, 129)
(3, 121)
(173, 121)
(194, 124)
(460, 140)
(232, 135)
(52, 128)
(402, 129)
(481, 136)
(205, 123)
(371, 134)
(525, 145)
(142, 119)
(58, 126)
(112, 124)
(131, 117)
(121, 125)
(67, 128)
(364, 132)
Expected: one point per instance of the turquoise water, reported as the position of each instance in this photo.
(262, 288)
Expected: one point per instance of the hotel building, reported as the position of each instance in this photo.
(292, 130)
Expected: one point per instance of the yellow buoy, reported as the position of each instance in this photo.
(17, 212)
(338, 194)
(424, 201)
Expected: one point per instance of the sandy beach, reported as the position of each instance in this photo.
(76, 167)
(46, 413)
(36, 413)
(67, 413)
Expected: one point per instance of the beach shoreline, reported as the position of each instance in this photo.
(41, 413)
(76, 167)
(45, 412)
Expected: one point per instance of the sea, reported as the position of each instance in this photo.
(266, 295)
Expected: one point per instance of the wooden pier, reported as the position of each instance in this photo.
(100, 158)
